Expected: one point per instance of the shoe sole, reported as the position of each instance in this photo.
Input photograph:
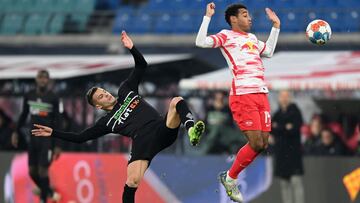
(199, 129)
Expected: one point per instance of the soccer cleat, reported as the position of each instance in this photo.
(231, 188)
(56, 197)
(195, 132)
(36, 191)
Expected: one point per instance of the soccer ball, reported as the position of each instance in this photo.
(318, 31)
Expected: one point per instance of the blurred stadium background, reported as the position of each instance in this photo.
(78, 42)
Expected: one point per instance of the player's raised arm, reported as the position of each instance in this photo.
(88, 134)
(269, 46)
(202, 40)
(140, 63)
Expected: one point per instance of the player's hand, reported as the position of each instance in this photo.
(41, 131)
(14, 139)
(125, 39)
(210, 9)
(273, 17)
(57, 152)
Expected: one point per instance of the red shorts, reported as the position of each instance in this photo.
(251, 111)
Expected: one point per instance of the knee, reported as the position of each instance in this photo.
(133, 181)
(174, 101)
(258, 145)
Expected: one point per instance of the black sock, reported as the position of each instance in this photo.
(45, 188)
(186, 116)
(129, 194)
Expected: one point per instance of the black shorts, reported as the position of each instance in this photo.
(40, 151)
(145, 147)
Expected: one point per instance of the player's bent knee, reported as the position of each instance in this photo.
(258, 146)
(133, 181)
(174, 101)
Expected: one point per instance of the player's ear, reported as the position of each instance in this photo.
(98, 106)
(233, 19)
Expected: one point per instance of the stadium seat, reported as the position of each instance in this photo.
(292, 21)
(349, 4)
(6, 5)
(140, 23)
(261, 22)
(36, 24)
(326, 4)
(79, 21)
(198, 4)
(279, 4)
(187, 22)
(84, 6)
(334, 18)
(351, 21)
(24, 6)
(122, 21)
(45, 6)
(65, 6)
(11, 24)
(56, 24)
(164, 23)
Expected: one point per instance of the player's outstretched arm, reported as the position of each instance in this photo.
(202, 40)
(274, 34)
(88, 134)
(136, 75)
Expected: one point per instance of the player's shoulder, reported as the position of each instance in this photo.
(225, 31)
(252, 35)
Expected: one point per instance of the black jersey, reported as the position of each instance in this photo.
(43, 109)
(131, 116)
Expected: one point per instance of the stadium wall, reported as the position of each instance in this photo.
(187, 179)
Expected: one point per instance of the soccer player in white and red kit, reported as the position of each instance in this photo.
(248, 96)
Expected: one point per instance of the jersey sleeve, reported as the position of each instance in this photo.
(212, 41)
(88, 134)
(219, 39)
(268, 48)
(137, 73)
(24, 113)
(262, 46)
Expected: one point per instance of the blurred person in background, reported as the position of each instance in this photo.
(43, 106)
(330, 144)
(286, 124)
(130, 115)
(5, 131)
(312, 142)
(248, 96)
(221, 134)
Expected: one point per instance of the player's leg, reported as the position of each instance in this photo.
(135, 173)
(286, 191)
(45, 160)
(33, 166)
(179, 112)
(246, 114)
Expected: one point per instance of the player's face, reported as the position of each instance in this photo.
(243, 20)
(103, 99)
(42, 80)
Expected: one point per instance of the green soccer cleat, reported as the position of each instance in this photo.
(195, 132)
(231, 188)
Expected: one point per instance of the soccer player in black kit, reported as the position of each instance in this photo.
(130, 115)
(43, 106)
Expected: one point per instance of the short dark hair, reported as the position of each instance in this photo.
(232, 10)
(43, 72)
(89, 95)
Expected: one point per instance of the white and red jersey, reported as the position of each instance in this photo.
(242, 52)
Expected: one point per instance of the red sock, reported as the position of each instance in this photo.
(243, 158)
